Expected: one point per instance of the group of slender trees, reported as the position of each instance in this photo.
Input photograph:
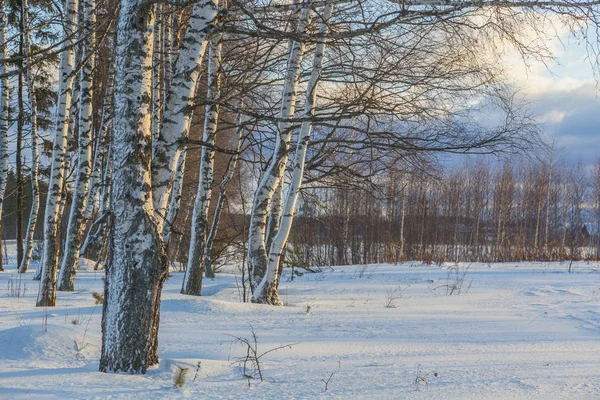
(480, 210)
(170, 114)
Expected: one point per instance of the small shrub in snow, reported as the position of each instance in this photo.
(455, 282)
(326, 381)
(197, 371)
(180, 375)
(16, 288)
(422, 378)
(250, 363)
(393, 294)
(98, 297)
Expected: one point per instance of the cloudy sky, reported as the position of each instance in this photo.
(565, 98)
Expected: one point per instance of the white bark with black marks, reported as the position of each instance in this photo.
(178, 112)
(137, 265)
(212, 233)
(257, 252)
(4, 112)
(266, 292)
(175, 200)
(49, 261)
(35, 157)
(76, 224)
(192, 282)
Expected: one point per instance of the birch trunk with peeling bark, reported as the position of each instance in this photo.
(76, 225)
(137, 266)
(35, 158)
(266, 292)
(49, 261)
(192, 282)
(257, 252)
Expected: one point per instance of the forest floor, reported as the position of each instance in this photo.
(409, 331)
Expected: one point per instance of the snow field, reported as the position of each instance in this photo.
(516, 331)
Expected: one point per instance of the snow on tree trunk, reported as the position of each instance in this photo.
(266, 292)
(49, 261)
(257, 253)
(4, 114)
(137, 265)
(178, 112)
(192, 282)
(175, 200)
(76, 223)
(35, 158)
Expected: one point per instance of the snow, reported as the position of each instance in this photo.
(517, 331)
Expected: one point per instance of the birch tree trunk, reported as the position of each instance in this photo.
(98, 226)
(266, 292)
(100, 178)
(178, 112)
(231, 166)
(157, 65)
(192, 282)
(257, 253)
(100, 157)
(35, 158)
(49, 261)
(137, 266)
(19, 148)
(175, 200)
(70, 259)
(274, 218)
(167, 53)
(4, 116)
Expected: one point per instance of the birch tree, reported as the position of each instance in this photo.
(257, 253)
(266, 292)
(70, 258)
(178, 112)
(192, 282)
(137, 265)
(175, 200)
(49, 262)
(98, 193)
(4, 114)
(231, 168)
(35, 159)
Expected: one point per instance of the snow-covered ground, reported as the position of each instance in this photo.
(516, 331)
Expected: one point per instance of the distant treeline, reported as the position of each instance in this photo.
(478, 211)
